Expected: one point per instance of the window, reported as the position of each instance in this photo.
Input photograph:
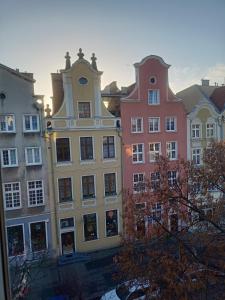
(210, 130)
(84, 110)
(172, 177)
(15, 240)
(154, 124)
(154, 151)
(196, 156)
(138, 153)
(136, 125)
(31, 123)
(108, 147)
(171, 124)
(138, 182)
(9, 157)
(171, 149)
(111, 223)
(196, 131)
(63, 149)
(88, 186)
(35, 192)
(153, 97)
(66, 223)
(90, 227)
(67, 236)
(33, 156)
(156, 213)
(155, 181)
(65, 189)
(86, 148)
(7, 123)
(12, 195)
(38, 236)
(110, 184)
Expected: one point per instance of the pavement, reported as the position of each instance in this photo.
(78, 280)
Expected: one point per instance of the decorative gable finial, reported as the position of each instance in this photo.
(80, 54)
(93, 62)
(68, 64)
(48, 111)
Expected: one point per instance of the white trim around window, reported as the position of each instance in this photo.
(97, 228)
(7, 123)
(113, 195)
(153, 97)
(136, 125)
(118, 223)
(196, 130)
(12, 195)
(35, 193)
(138, 153)
(172, 150)
(153, 124)
(24, 245)
(33, 156)
(9, 157)
(31, 123)
(72, 193)
(46, 234)
(154, 151)
(210, 129)
(171, 124)
(81, 184)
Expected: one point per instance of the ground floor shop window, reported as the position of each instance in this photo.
(90, 227)
(38, 236)
(15, 240)
(111, 223)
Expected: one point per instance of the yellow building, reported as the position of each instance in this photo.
(84, 149)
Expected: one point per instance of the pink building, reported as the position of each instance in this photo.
(153, 122)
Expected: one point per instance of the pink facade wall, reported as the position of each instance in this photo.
(136, 105)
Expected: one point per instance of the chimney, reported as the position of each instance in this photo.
(205, 82)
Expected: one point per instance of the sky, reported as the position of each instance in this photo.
(188, 35)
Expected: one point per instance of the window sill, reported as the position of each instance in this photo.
(61, 164)
(87, 161)
(13, 166)
(37, 205)
(12, 208)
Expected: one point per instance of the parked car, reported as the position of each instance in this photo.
(130, 290)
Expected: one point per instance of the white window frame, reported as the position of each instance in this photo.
(154, 121)
(139, 183)
(10, 165)
(194, 131)
(134, 125)
(11, 192)
(46, 235)
(196, 156)
(157, 209)
(154, 181)
(108, 196)
(24, 245)
(209, 130)
(33, 163)
(95, 192)
(170, 150)
(78, 111)
(106, 159)
(154, 153)
(6, 116)
(171, 121)
(118, 225)
(35, 189)
(65, 162)
(31, 125)
(93, 149)
(97, 228)
(71, 178)
(156, 99)
(172, 178)
(138, 153)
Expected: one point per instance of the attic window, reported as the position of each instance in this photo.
(83, 80)
(152, 80)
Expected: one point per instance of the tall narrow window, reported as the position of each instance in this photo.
(35, 192)
(172, 178)
(12, 195)
(154, 124)
(155, 181)
(154, 151)
(210, 130)
(138, 182)
(108, 147)
(38, 236)
(171, 149)
(136, 125)
(171, 124)
(9, 157)
(63, 149)
(88, 187)
(90, 227)
(196, 131)
(111, 223)
(86, 148)
(110, 184)
(15, 240)
(153, 97)
(138, 153)
(84, 110)
(65, 189)
(196, 156)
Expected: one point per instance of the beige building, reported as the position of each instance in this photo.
(84, 148)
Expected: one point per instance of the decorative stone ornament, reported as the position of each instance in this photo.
(80, 54)
(93, 62)
(68, 63)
